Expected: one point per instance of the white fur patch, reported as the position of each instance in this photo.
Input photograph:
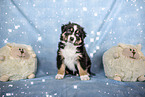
(59, 76)
(70, 56)
(75, 28)
(85, 77)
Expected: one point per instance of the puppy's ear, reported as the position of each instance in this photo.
(63, 28)
(84, 33)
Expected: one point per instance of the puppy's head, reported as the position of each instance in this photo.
(72, 33)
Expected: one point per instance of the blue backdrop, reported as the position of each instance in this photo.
(38, 23)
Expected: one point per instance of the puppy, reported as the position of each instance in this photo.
(72, 57)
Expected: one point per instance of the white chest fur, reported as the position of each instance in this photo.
(70, 56)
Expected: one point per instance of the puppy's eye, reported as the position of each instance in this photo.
(130, 49)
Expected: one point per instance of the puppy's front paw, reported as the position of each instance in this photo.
(85, 77)
(59, 76)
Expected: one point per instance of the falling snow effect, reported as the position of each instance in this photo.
(38, 23)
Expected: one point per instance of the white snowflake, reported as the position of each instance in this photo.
(97, 47)
(55, 94)
(103, 8)
(141, 7)
(56, 30)
(91, 39)
(6, 40)
(17, 26)
(91, 55)
(84, 8)
(119, 18)
(133, 0)
(137, 9)
(10, 30)
(92, 32)
(98, 33)
(39, 38)
(138, 24)
(97, 38)
(34, 5)
(75, 86)
(107, 83)
(95, 14)
(32, 83)
(54, 1)
(10, 85)
(8, 94)
(43, 80)
(39, 52)
(22, 92)
(65, 0)
(86, 45)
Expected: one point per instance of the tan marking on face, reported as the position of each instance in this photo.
(61, 70)
(78, 42)
(63, 35)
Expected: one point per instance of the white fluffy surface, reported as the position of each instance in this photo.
(126, 68)
(69, 53)
(17, 68)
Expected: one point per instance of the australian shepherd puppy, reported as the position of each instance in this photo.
(72, 57)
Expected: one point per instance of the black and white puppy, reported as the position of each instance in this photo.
(71, 55)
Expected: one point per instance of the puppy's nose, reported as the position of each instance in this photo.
(133, 53)
(71, 38)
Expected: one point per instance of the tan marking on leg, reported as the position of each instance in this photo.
(61, 72)
(81, 71)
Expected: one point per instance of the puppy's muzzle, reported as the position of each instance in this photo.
(71, 38)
